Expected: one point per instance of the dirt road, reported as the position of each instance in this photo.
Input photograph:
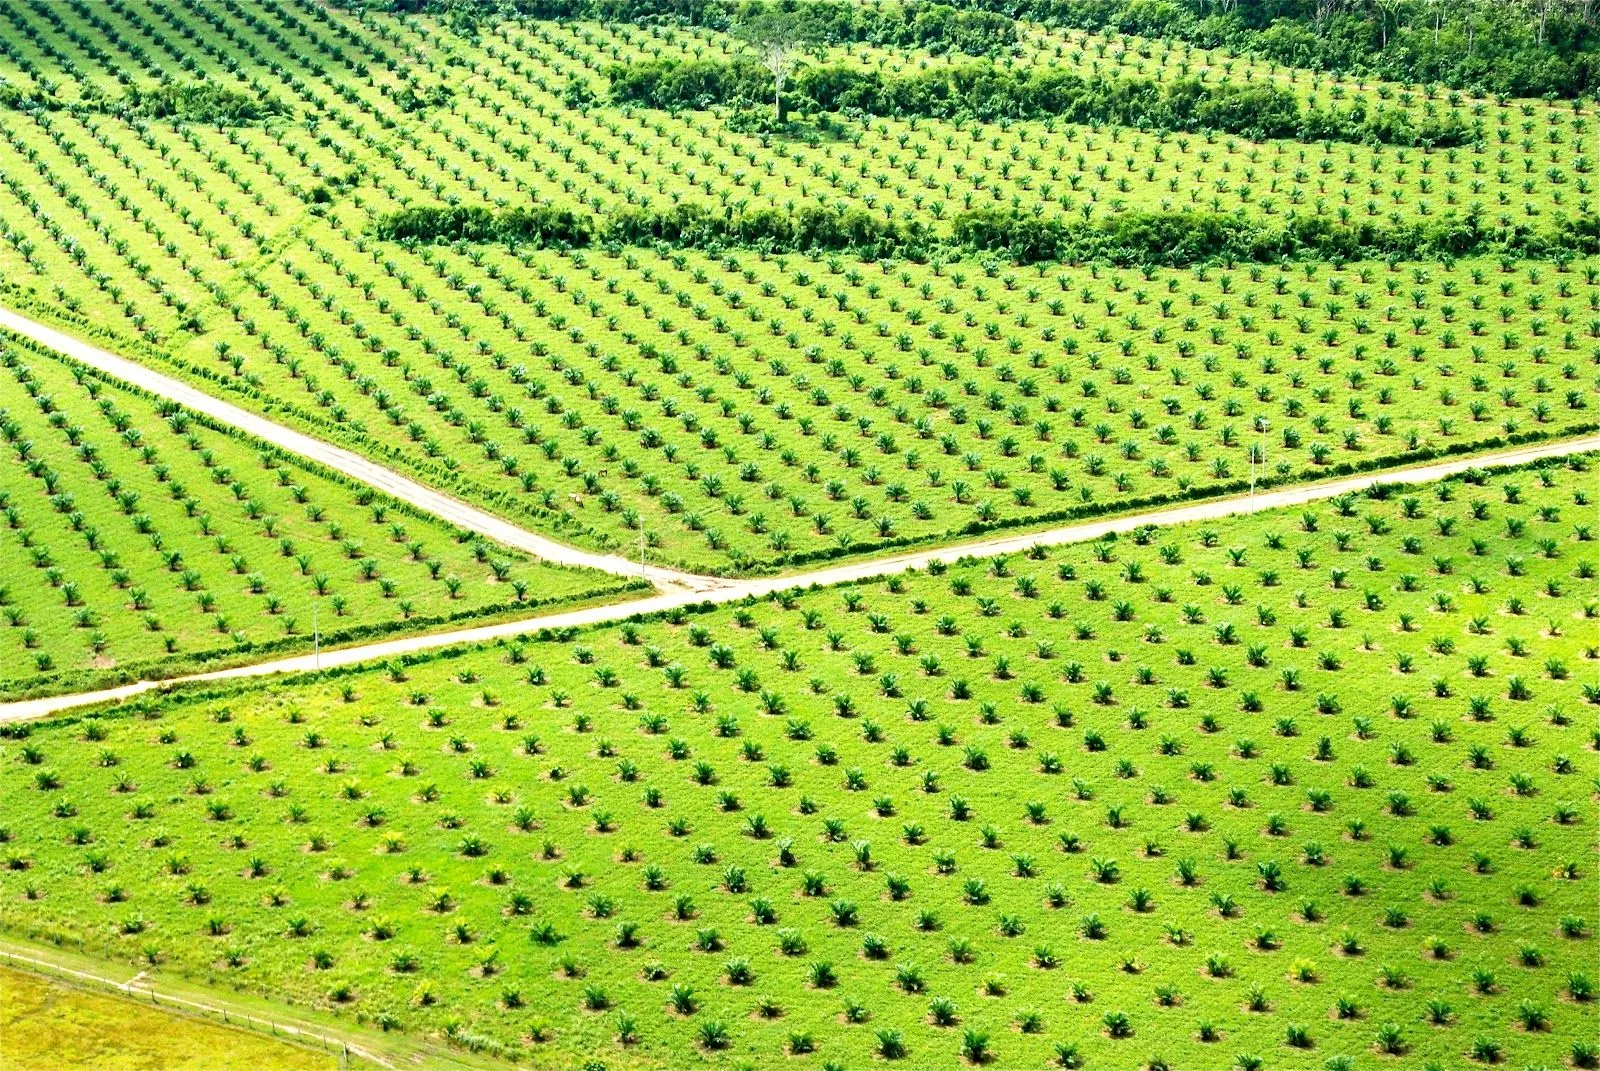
(729, 591)
(450, 509)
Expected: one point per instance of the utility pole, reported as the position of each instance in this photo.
(1258, 452)
(316, 636)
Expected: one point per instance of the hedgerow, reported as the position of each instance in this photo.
(988, 92)
(198, 102)
(1174, 239)
(936, 27)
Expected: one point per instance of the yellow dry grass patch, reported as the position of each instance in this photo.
(47, 1026)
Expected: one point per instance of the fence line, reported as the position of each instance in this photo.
(133, 988)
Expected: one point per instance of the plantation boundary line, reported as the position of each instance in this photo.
(447, 508)
(1213, 509)
(229, 1013)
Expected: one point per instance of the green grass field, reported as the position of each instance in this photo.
(1300, 787)
(744, 412)
(146, 541)
(48, 1026)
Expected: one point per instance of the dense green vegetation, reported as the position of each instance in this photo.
(1307, 786)
(143, 541)
(742, 286)
(1130, 239)
(1529, 48)
(934, 26)
(989, 91)
(202, 102)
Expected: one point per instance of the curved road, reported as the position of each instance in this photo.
(730, 591)
(351, 464)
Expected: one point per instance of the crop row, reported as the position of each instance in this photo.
(748, 408)
(142, 538)
(273, 288)
(1309, 782)
(464, 143)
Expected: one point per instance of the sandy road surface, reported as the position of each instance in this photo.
(441, 505)
(729, 591)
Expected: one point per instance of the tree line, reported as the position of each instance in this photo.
(197, 102)
(1174, 239)
(1515, 47)
(988, 91)
(936, 27)
(190, 102)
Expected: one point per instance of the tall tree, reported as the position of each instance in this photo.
(779, 40)
(1542, 10)
(1436, 8)
(1387, 9)
(1326, 9)
(1473, 13)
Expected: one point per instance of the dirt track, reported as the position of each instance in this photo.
(452, 510)
(728, 591)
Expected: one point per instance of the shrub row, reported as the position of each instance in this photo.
(1168, 238)
(988, 91)
(197, 102)
(540, 225)
(1502, 53)
(189, 102)
(1182, 238)
(934, 27)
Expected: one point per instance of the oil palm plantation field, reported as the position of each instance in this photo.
(142, 540)
(737, 288)
(1311, 786)
(296, 217)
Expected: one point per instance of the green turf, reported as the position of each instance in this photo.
(145, 541)
(838, 818)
